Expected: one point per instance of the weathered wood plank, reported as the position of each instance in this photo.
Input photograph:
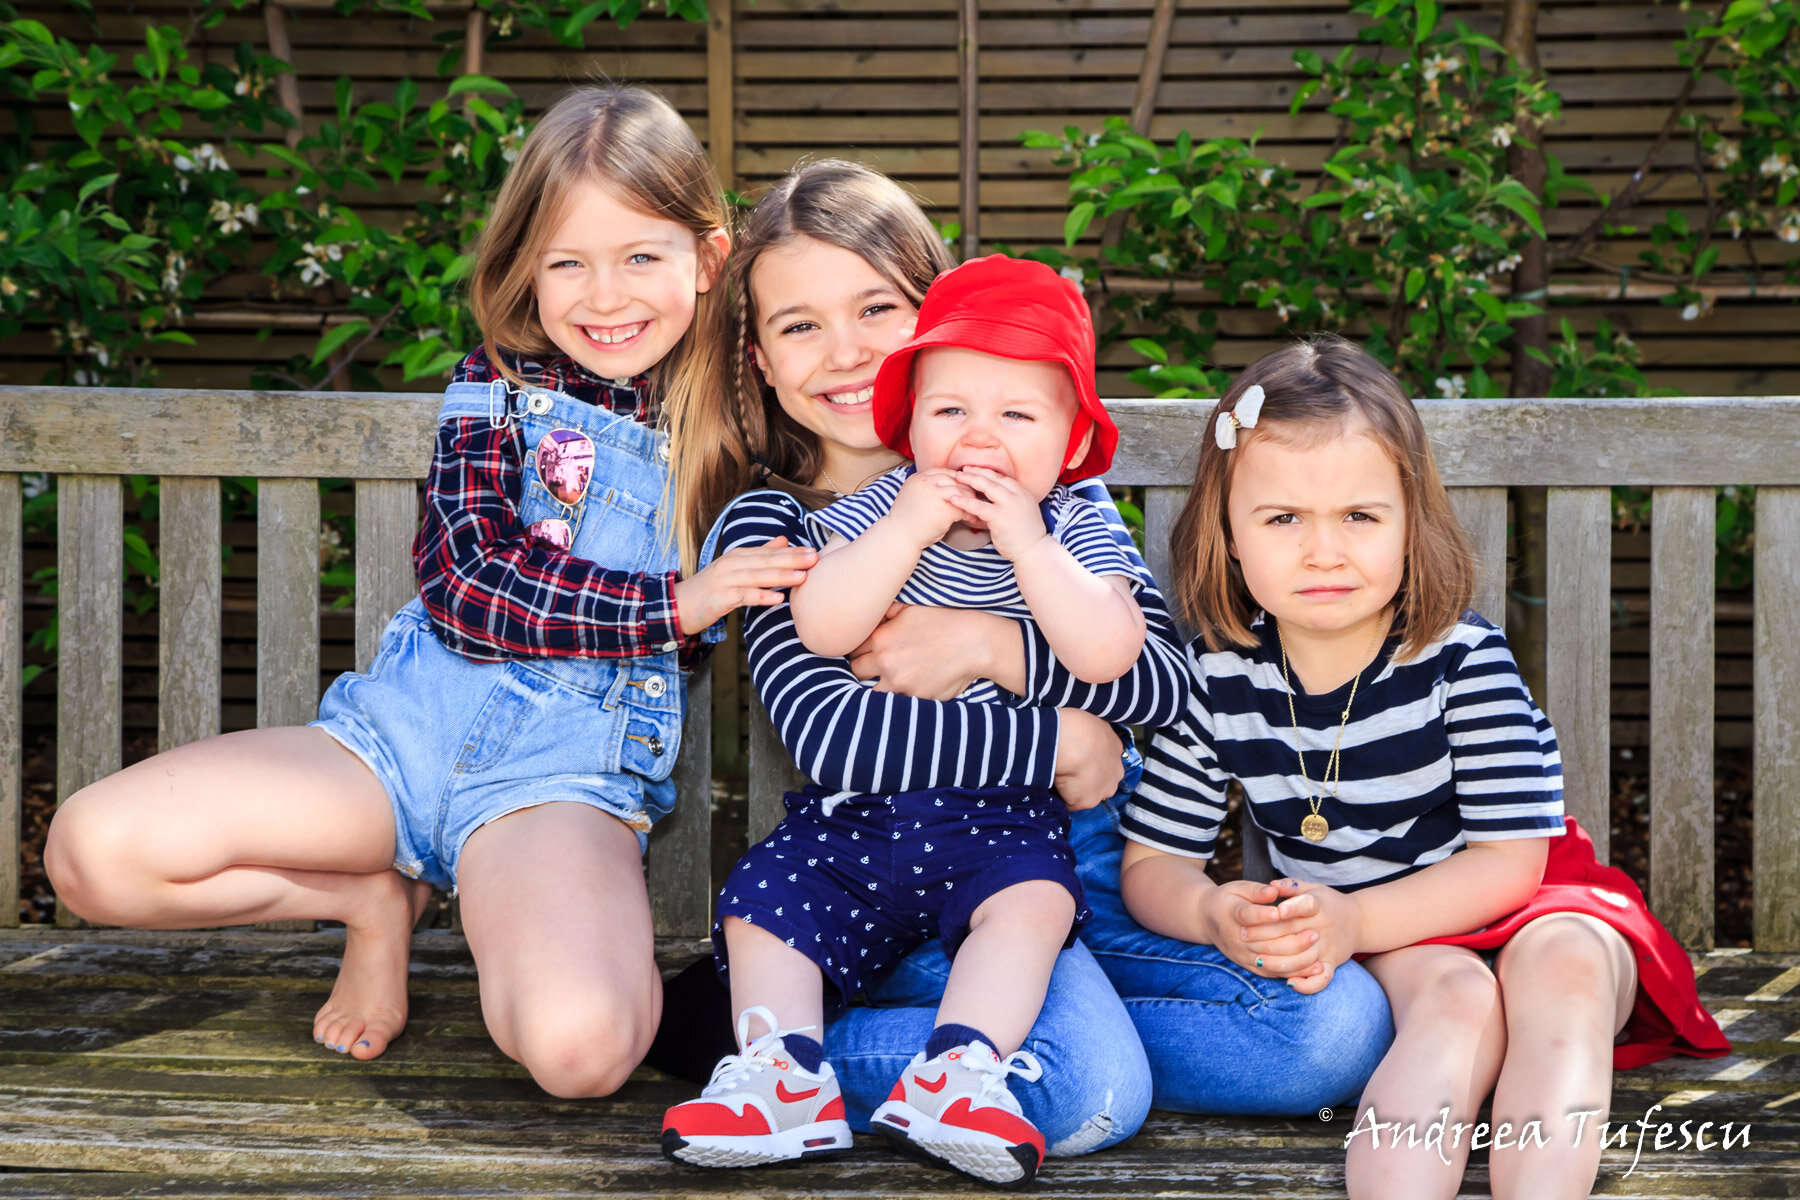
(968, 124)
(1776, 856)
(287, 602)
(159, 431)
(1579, 626)
(387, 517)
(1161, 506)
(772, 772)
(12, 663)
(721, 84)
(287, 610)
(1682, 548)
(680, 858)
(1480, 443)
(1482, 512)
(188, 611)
(90, 565)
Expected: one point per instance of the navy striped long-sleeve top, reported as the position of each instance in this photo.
(982, 578)
(846, 736)
(1440, 751)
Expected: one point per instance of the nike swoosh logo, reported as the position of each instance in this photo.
(786, 1097)
(935, 1085)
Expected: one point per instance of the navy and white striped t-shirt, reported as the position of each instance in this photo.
(981, 578)
(847, 736)
(1438, 752)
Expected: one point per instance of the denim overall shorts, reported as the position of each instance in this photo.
(458, 743)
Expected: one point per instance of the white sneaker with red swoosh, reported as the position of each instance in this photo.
(956, 1110)
(760, 1107)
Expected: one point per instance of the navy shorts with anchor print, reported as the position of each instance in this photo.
(859, 887)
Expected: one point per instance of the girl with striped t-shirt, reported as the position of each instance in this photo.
(1410, 789)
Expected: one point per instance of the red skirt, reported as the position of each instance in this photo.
(1667, 1017)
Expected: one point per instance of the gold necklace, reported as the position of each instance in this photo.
(1313, 827)
(830, 482)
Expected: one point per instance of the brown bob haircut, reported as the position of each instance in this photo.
(1313, 390)
(633, 143)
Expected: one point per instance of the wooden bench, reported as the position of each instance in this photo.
(132, 1062)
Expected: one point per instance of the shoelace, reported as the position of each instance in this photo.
(734, 1068)
(1022, 1063)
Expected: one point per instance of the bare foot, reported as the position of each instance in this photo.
(367, 1008)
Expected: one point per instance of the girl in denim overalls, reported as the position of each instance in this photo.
(514, 737)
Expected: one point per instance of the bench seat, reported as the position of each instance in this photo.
(136, 1064)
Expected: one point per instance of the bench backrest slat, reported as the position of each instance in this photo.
(189, 596)
(680, 859)
(1482, 511)
(387, 517)
(1577, 659)
(12, 715)
(90, 570)
(772, 773)
(1776, 861)
(287, 602)
(1682, 549)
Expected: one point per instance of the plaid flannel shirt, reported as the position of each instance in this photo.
(491, 594)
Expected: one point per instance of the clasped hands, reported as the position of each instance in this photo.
(1288, 929)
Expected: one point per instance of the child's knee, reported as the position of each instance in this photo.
(89, 854)
(1458, 991)
(1566, 959)
(577, 1050)
(1040, 904)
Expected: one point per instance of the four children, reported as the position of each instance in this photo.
(514, 737)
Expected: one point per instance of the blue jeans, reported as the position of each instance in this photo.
(1221, 1039)
(1095, 1090)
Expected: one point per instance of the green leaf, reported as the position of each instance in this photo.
(1077, 222)
(1427, 15)
(336, 337)
(1151, 350)
(1415, 283)
(478, 83)
(96, 184)
(571, 29)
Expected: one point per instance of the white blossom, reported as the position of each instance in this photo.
(1502, 135)
(1724, 153)
(174, 271)
(1789, 229)
(1454, 387)
(1074, 275)
(1691, 312)
(1439, 64)
(231, 219)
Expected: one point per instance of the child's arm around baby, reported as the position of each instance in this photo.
(1092, 623)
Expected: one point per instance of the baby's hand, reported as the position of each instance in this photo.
(927, 505)
(1010, 513)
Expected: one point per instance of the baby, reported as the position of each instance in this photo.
(994, 398)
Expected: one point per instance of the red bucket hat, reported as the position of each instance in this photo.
(1015, 308)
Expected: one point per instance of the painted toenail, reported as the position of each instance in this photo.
(362, 1043)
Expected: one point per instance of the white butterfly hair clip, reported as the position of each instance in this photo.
(1243, 416)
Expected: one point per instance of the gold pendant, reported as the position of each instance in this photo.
(1314, 828)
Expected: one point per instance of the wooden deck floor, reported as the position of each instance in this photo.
(180, 1065)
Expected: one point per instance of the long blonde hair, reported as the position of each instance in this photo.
(632, 142)
(1312, 389)
(840, 204)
